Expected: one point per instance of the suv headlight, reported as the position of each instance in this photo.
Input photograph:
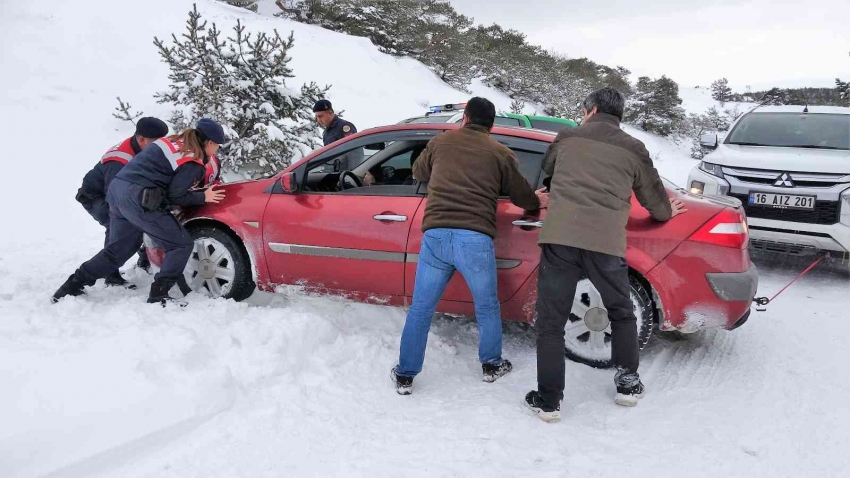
(712, 169)
(845, 207)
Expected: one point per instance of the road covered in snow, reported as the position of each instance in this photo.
(294, 385)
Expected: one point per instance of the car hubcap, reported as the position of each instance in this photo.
(210, 269)
(588, 330)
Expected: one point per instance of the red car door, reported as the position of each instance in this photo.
(517, 252)
(351, 242)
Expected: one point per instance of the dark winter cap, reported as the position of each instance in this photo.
(322, 105)
(211, 130)
(151, 128)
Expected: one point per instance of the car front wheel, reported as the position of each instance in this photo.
(588, 333)
(219, 265)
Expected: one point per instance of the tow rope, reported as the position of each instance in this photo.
(763, 301)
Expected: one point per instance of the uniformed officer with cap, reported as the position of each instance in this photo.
(92, 194)
(336, 128)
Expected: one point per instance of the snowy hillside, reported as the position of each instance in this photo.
(294, 386)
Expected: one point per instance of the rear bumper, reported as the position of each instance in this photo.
(734, 286)
(692, 293)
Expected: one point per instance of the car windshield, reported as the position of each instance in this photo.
(793, 130)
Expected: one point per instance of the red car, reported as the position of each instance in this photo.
(322, 229)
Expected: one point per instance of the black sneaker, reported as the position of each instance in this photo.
(403, 384)
(73, 287)
(544, 411)
(629, 388)
(116, 280)
(493, 372)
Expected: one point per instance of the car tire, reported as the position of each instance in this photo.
(219, 265)
(579, 340)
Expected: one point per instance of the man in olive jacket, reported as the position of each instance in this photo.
(593, 169)
(467, 171)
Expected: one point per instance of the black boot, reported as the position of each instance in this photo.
(73, 287)
(493, 372)
(159, 291)
(143, 262)
(115, 279)
(629, 388)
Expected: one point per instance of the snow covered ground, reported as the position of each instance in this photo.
(104, 386)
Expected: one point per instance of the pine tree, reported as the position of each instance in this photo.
(718, 121)
(654, 106)
(720, 90)
(517, 106)
(240, 81)
(775, 96)
(246, 4)
(694, 127)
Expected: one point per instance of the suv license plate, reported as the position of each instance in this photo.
(782, 201)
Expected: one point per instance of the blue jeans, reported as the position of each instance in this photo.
(443, 252)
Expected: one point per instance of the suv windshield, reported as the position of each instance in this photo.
(793, 130)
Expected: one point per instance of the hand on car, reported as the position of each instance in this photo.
(212, 195)
(543, 197)
(678, 207)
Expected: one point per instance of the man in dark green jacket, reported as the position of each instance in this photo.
(593, 169)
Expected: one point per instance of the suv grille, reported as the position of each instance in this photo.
(825, 212)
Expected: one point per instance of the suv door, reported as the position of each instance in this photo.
(351, 242)
(517, 253)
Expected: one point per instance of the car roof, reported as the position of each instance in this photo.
(841, 110)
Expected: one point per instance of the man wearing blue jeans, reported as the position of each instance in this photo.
(466, 171)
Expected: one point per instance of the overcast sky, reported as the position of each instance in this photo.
(759, 43)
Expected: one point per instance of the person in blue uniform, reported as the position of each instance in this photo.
(92, 193)
(170, 172)
(335, 127)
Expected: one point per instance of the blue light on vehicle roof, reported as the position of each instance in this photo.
(436, 109)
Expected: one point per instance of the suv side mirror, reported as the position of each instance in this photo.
(289, 183)
(708, 141)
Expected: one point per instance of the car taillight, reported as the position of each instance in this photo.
(727, 229)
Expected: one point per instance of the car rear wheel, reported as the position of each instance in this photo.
(219, 265)
(587, 337)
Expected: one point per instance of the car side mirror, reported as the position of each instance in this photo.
(289, 183)
(708, 141)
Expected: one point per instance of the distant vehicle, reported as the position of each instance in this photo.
(453, 113)
(790, 166)
(329, 234)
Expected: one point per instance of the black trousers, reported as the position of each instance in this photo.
(99, 210)
(127, 223)
(561, 267)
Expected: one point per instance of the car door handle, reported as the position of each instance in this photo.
(389, 217)
(524, 223)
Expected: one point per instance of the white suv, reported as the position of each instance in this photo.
(790, 167)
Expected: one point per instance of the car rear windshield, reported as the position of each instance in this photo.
(501, 120)
(429, 119)
(548, 125)
(793, 130)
